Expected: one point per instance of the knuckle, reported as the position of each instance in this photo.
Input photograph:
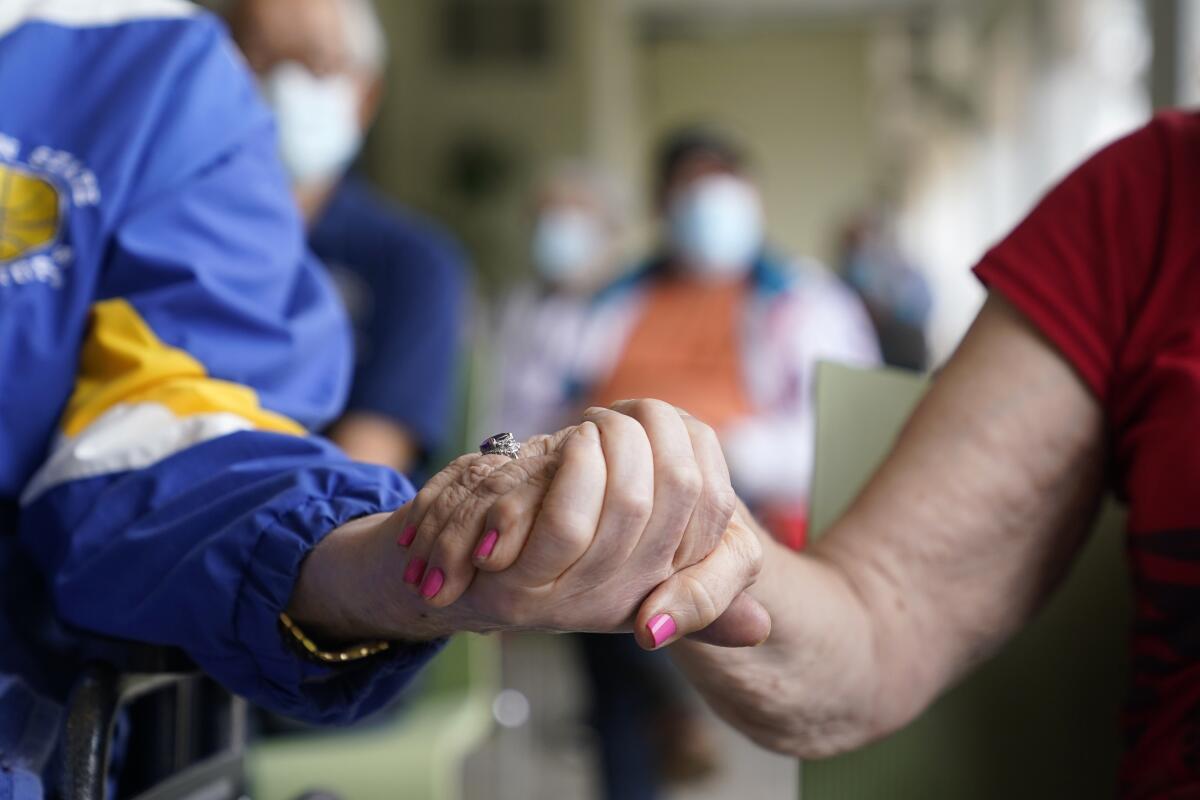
(701, 429)
(662, 407)
(506, 513)
(633, 507)
(476, 474)
(722, 502)
(752, 553)
(451, 497)
(682, 480)
(442, 507)
(460, 524)
(541, 467)
(567, 526)
(499, 482)
(622, 423)
(639, 404)
(539, 442)
(425, 497)
(698, 598)
(747, 553)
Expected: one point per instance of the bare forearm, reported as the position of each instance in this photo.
(955, 542)
(809, 689)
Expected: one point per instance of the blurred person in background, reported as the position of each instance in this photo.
(718, 325)
(579, 221)
(320, 64)
(895, 293)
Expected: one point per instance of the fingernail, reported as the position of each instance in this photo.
(416, 568)
(407, 535)
(487, 545)
(661, 627)
(433, 583)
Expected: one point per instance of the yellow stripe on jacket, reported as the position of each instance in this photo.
(123, 361)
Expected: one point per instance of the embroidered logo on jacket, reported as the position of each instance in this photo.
(29, 212)
(36, 190)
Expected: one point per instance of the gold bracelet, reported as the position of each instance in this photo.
(358, 651)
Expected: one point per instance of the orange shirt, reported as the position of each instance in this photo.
(685, 349)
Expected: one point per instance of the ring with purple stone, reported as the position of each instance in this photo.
(504, 444)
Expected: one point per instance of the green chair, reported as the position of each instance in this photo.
(1040, 720)
(417, 755)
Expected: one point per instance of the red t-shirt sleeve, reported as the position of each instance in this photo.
(1077, 266)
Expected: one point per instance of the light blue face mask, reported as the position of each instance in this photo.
(317, 117)
(714, 226)
(566, 243)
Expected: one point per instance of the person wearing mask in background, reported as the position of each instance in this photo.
(320, 64)
(720, 326)
(895, 293)
(578, 224)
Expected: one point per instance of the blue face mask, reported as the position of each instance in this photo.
(567, 243)
(714, 227)
(317, 117)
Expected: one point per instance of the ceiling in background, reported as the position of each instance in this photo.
(700, 15)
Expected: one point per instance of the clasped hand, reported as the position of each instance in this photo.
(626, 521)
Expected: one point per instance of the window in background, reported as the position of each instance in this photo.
(496, 32)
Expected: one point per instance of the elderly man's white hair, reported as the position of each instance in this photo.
(366, 41)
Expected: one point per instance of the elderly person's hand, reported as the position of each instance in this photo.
(577, 532)
(620, 523)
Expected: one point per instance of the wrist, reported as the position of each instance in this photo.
(349, 590)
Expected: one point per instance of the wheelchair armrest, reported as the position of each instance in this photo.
(115, 674)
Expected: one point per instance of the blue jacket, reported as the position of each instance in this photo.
(166, 340)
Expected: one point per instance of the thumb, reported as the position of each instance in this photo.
(708, 598)
(745, 623)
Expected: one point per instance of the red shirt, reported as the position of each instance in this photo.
(1108, 267)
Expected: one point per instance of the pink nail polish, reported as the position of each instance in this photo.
(416, 568)
(407, 536)
(487, 545)
(433, 583)
(661, 628)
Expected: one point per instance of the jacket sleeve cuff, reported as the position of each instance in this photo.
(286, 682)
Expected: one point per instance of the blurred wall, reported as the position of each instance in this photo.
(796, 94)
(464, 141)
(798, 97)
(956, 114)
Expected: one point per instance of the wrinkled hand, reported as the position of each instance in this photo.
(606, 526)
